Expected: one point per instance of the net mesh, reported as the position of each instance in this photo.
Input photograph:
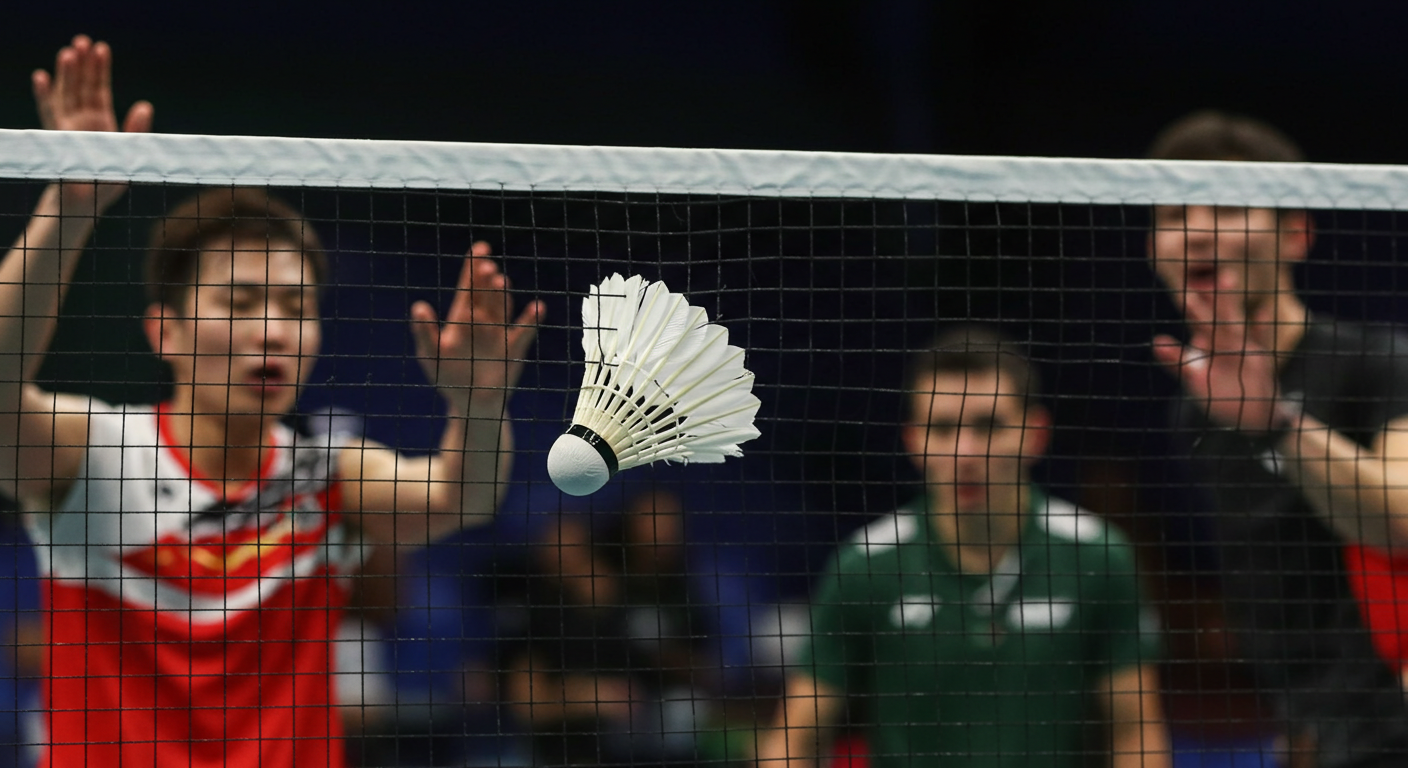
(671, 617)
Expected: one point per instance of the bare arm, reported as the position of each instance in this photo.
(41, 435)
(474, 359)
(802, 729)
(544, 698)
(1362, 492)
(1138, 734)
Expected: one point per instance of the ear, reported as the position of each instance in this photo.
(156, 327)
(1151, 260)
(915, 440)
(1036, 433)
(1297, 235)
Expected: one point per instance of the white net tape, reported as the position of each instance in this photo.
(224, 160)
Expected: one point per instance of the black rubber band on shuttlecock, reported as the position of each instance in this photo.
(599, 443)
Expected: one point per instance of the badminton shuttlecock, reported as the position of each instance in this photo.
(662, 383)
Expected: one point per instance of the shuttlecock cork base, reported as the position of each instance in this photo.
(581, 462)
(661, 383)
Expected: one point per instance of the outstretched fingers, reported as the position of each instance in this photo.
(483, 292)
(139, 118)
(1186, 361)
(525, 329)
(479, 344)
(43, 87)
(483, 306)
(425, 330)
(97, 91)
(77, 96)
(1168, 351)
(71, 76)
(1218, 319)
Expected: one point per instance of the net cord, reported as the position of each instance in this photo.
(352, 163)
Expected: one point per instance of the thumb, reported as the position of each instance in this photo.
(1168, 351)
(521, 337)
(1189, 363)
(43, 89)
(139, 118)
(425, 329)
(1264, 313)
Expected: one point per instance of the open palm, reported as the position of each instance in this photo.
(78, 97)
(1222, 366)
(479, 348)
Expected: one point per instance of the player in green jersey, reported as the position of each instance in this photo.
(985, 624)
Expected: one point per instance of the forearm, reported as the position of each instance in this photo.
(33, 279)
(1138, 732)
(791, 747)
(472, 466)
(1139, 745)
(1356, 490)
(412, 501)
(802, 728)
(547, 699)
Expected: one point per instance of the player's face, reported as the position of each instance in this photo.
(1196, 245)
(248, 332)
(973, 437)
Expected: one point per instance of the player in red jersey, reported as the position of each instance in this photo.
(195, 550)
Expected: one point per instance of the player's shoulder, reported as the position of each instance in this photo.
(357, 456)
(882, 537)
(315, 454)
(1069, 522)
(1081, 538)
(1367, 360)
(1385, 348)
(126, 424)
(1368, 341)
(316, 441)
(71, 404)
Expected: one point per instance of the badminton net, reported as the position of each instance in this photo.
(680, 595)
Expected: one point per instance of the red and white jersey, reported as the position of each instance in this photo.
(187, 628)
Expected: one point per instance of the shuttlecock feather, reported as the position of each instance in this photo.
(662, 383)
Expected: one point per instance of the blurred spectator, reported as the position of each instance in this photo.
(975, 625)
(22, 634)
(364, 691)
(439, 655)
(414, 650)
(614, 662)
(362, 682)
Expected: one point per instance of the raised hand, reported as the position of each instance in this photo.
(1223, 366)
(477, 352)
(78, 97)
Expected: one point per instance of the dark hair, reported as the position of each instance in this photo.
(177, 239)
(970, 349)
(1213, 135)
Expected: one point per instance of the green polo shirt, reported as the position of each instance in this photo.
(994, 669)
